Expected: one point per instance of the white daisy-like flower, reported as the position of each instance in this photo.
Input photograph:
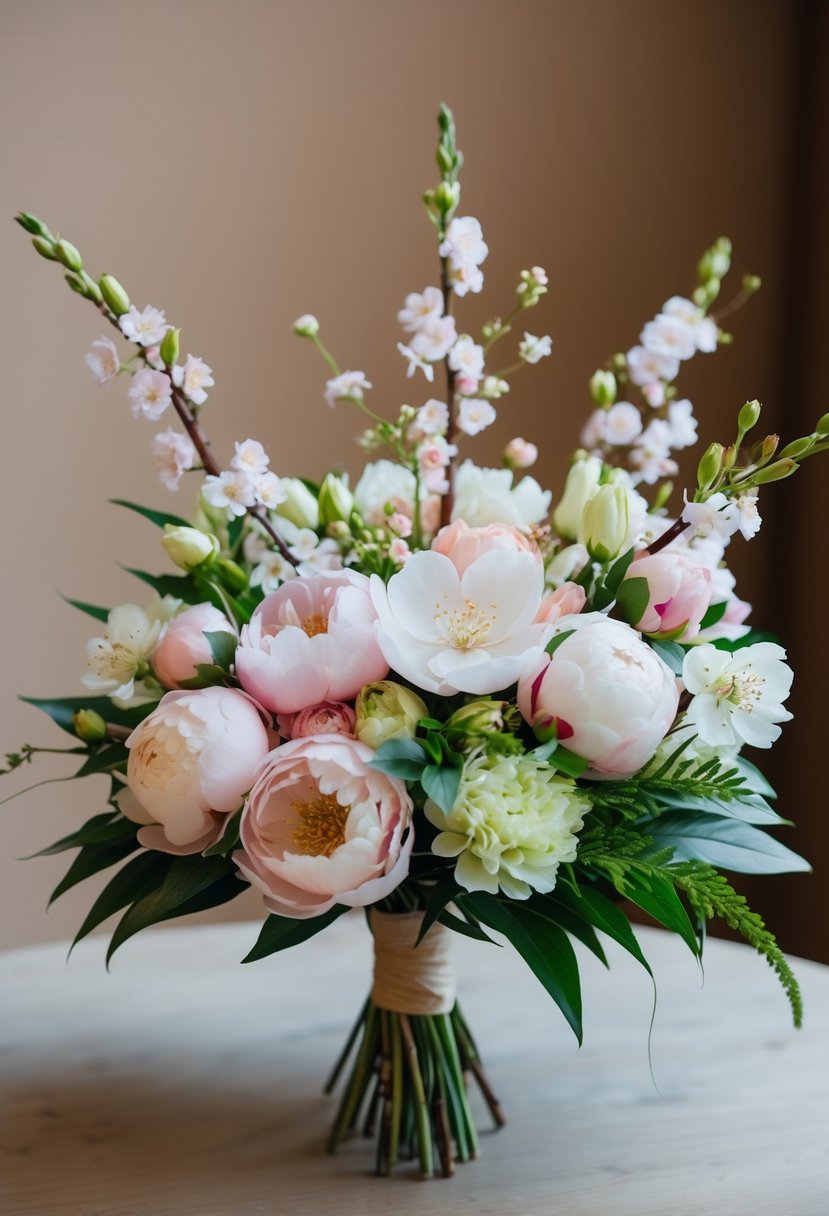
(717, 516)
(347, 384)
(467, 357)
(475, 414)
(120, 655)
(250, 458)
(269, 491)
(647, 366)
(420, 308)
(737, 698)
(150, 393)
(750, 520)
(232, 490)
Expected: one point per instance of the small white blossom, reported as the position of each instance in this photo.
(418, 309)
(270, 491)
(718, 516)
(250, 458)
(435, 338)
(520, 454)
(737, 698)
(682, 424)
(650, 456)
(415, 362)
(347, 384)
(533, 350)
(475, 414)
(324, 556)
(432, 457)
(102, 360)
(272, 570)
(173, 454)
(233, 490)
(114, 660)
(646, 366)
(306, 326)
(193, 379)
(622, 424)
(493, 388)
(147, 327)
(654, 394)
(750, 520)
(150, 393)
(465, 249)
(669, 336)
(705, 330)
(432, 418)
(467, 357)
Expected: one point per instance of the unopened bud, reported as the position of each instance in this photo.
(93, 291)
(115, 298)
(748, 415)
(335, 500)
(170, 347)
(447, 197)
(32, 224)
(603, 388)
(664, 492)
(769, 446)
(387, 710)
(606, 522)
(230, 575)
(75, 284)
(729, 457)
(89, 726)
(45, 248)
(775, 472)
(751, 283)
(619, 362)
(710, 465)
(188, 548)
(822, 427)
(797, 448)
(69, 255)
(306, 326)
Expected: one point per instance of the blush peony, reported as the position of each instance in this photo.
(184, 645)
(464, 545)
(680, 593)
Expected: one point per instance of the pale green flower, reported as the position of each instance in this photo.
(513, 823)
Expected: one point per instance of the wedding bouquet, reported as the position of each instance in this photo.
(427, 695)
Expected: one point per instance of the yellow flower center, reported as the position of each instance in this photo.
(467, 627)
(743, 690)
(322, 825)
(314, 624)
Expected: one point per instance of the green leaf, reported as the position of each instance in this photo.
(671, 654)
(222, 647)
(656, 895)
(132, 882)
(750, 808)
(159, 518)
(554, 642)
(714, 615)
(100, 614)
(544, 947)
(568, 762)
(100, 829)
(755, 782)
(603, 914)
(105, 759)
(441, 783)
(606, 593)
(187, 878)
(469, 927)
(207, 675)
(632, 599)
(282, 932)
(575, 925)
(728, 844)
(91, 860)
(180, 586)
(748, 639)
(229, 839)
(403, 758)
(442, 893)
(62, 710)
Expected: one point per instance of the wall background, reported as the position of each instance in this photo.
(239, 162)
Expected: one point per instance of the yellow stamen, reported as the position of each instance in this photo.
(322, 827)
(314, 624)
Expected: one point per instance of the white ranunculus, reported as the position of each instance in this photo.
(488, 496)
(737, 698)
(473, 633)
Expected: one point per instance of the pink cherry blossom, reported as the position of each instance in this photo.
(150, 393)
(173, 454)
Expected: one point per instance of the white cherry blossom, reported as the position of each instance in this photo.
(475, 414)
(682, 424)
(533, 349)
(250, 458)
(103, 361)
(193, 379)
(232, 490)
(646, 366)
(147, 327)
(467, 357)
(718, 516)
(419, 308)
(173, 454)
(669, 336)
(347, 384)
(150, 393)
(622, 423)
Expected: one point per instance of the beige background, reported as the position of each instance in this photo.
(241, 162)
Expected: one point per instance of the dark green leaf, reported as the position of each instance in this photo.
(62, 710)
(180, 586)
(105, 759)
(575, 925)
(544, 947)
(282, 932)
(229, 839)
(442, 893)
(748, 639)
(234, 531)
(555, 642)
(403, 758)
(728, 844)
(100, 614)
(632, 599)
(671, 654)
(207, 674)
(222, 647)
(604, 915)
(132, 882)
(91, 860)
(159, 518)
(469, 927)
(100, 829)
(714, 615)
(607, 591)
(656, 895)
(568, 762)
(441, 784)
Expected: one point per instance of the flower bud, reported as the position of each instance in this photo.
(751, 283)
(69, 255)
(582, 483)
(774, 472)
(769, 446)
(797, 448)
(230, 575)
(115, 298)
(89, 726)
(447, 197)
(306, 326)
(709, 467)
(605, 523)
(188, 548)
(479, 720)
(45, 248)
(729, 456)
(519, 454)
(299, 505)
(93, 291)
(386, 710)
(336, 501)
(603, 388)
(75, 284)
(822, 427)
(32, 224)
(748, 416)
(170, 347)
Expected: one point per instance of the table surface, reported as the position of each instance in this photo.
(183, 1084)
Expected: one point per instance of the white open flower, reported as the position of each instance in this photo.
(750, 519)
(622, 423)
(150, 393)
(467, 357)
(737, 698)
(449, 633)
(194, 378)
(717, 516)
(116, 659)
(102, 360)
(533, 349)
(488, 496)
(647, 367)
(173, 454)
(418, 309)
(250, 458)
(347, 384)
(670, 336)
(147, 328)
(513, 823)
(475, 414)
(705, 329)
(233, 490)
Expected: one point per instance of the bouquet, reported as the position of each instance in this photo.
(427, 694)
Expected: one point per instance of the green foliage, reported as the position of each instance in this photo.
(63, 709)
(282, 932)
(605, 592)
(403, 758)
(632, 599)
(140, 876)
(725, 842)
(671, 654)
(100, 614)
(159, 518)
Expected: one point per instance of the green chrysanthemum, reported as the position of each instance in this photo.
(513, 823)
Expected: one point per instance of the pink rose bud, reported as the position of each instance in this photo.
(519, 454)
(464, 545)
(184, 645)
(680, 594)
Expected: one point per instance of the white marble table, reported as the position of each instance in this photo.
(183, 1084)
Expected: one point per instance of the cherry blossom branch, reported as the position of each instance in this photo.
(676, 529)
(448, 500)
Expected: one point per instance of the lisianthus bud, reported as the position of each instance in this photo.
(336, 501)
(299, 505)
(748, 415)
(479, 720)
(75, 284)
(89, 726)
(170, 347)
(710, 465)
(582, 483)
(69, 255)
(306, 326)
(605, 522)
(45, 248)
(603, 388)
(386, 710)
(189, 548)
(115, 298)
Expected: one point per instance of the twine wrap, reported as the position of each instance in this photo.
(409, 979)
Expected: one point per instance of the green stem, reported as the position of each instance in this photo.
(424, 1128)
(346, 1051)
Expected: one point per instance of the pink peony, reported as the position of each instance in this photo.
(329, 718)
(464, 545)
(680, 593)
(311, 641)
(604, 693)
(184, 644)
(566, 600)
(321, 828)
(191, 762)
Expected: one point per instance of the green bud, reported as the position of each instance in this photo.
(748, 415)
(769, 447)
(299, 505)
(32, 224)
(822, 427)
(446, 162)
(188, 548)
(45, 248)
(619, 362)
(662, 495)
(306, 326)
(751, 283)
(75, 284)
(729, 456)
(581, 484)
(605, 523)
(774, 472)
(230, 575)
(387, 710)
(603, 388)
(115, 298)
(710, 465)
(447, 197)
(93, 291)
(89, 726)
(338, 530)
(335, 500)
(170, 347)
(797, 448)
(480, 720)
(69, 255)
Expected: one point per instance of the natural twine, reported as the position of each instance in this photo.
(408, 978)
